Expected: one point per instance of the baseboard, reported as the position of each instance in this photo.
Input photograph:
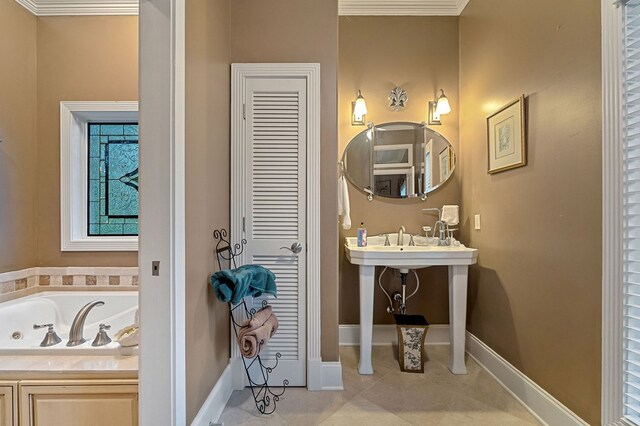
(215, 403)
(324, 375)
(538, 401)
(386, 334)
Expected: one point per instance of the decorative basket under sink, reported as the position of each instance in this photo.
(412, 330)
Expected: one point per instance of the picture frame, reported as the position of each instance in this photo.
(507, 137)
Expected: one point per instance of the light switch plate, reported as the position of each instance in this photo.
(477, 222)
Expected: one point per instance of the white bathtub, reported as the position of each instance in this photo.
(17, 318)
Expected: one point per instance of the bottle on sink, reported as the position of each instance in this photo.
(362, 235)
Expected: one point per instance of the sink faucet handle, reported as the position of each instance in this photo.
(387, 243)
(411, 242)
(38, 326)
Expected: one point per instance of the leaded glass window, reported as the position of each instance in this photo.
(113, 179)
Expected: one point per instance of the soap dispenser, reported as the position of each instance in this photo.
(362, 235)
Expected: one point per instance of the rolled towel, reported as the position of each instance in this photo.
(251, 341)
(259, 318)
(232, 285)
(450, 215)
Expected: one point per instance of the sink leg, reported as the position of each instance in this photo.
(367, 284)
(458, 275)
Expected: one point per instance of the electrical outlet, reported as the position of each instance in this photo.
(477, 222)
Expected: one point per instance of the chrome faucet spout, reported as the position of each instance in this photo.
(442, 238)
(75, 333)
(401, 232)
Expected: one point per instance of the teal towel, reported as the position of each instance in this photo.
(232, 285)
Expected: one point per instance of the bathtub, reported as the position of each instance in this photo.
(17, 317)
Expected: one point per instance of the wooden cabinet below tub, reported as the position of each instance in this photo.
(78, 402)
(8, 404)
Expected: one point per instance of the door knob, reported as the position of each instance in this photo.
(295, 248)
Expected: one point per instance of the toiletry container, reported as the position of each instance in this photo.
(362, 235)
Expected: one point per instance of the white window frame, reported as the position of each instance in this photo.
(74, 170)
(612, 212)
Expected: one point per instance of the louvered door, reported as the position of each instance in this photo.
(274, 209)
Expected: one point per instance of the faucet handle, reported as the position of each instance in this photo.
(386, 240)
(411, 242)
(51, 338)
(38, 326)
(102, 338)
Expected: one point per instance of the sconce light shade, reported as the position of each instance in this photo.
(442, 106)
(438, 107)
(358, 111)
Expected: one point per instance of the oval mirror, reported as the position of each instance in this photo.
(399, 160)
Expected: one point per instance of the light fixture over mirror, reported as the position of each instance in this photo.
(358, 111)
(438, 107)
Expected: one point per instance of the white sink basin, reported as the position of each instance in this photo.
(422, 255)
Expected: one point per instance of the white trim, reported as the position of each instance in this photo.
(80, 7)
(73, 173)
(310, 72)
(68, 270)
(386, 334)
(612, 411)
(215, 403)
(539, 402)
(401, 7)
(332, 376)
(162, 370)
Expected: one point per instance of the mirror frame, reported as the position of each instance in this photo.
(369, 192)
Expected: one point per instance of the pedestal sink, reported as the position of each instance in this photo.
(424, 254)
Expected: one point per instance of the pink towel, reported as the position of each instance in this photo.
(259, 318)
(251, 341)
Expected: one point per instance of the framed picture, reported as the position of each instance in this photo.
(507, 137)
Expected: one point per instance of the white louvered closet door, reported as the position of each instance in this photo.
(275, 134)
(631, 212)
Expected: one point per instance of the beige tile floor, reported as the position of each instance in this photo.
(391, 397)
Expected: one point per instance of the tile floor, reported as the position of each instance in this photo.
(390, 397)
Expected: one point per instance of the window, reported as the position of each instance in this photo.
(113, 179)
(99, 176)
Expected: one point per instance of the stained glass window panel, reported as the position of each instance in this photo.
(113, 179)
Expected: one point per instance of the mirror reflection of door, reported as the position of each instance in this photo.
(399, 160)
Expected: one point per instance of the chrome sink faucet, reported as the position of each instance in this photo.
(75, 334)
(401, 232)
(443, 240)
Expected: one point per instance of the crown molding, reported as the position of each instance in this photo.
(401, 7)
(80, 7)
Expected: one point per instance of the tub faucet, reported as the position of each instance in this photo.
(75, 334)
(401, 232)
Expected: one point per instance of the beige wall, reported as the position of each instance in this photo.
(79, 58)
(534, 296)
(303, 31)
(420, 54)
(18, 135)
(207, 198)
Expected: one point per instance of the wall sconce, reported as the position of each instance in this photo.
(358, 111)
(438, 107)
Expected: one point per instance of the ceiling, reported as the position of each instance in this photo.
(345, 7)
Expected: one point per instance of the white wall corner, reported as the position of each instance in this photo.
(539, 402)
(215, 403)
